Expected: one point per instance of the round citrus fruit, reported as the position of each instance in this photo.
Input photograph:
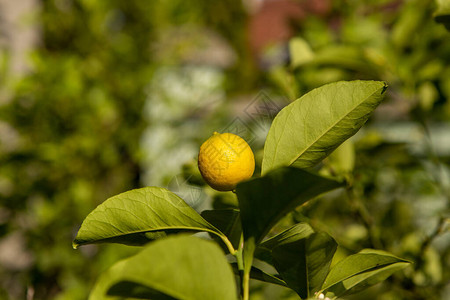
(225, 160)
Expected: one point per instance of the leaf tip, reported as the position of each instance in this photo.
(75, 245)
(385, 86)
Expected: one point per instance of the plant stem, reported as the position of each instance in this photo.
(229, 245)
(245, 285)
(426, 243)
(244, 277)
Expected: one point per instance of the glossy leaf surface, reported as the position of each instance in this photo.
(138, 216)
(309, 129)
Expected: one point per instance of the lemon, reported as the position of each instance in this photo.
(225, 160)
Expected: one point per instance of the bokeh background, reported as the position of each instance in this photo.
(99, 97)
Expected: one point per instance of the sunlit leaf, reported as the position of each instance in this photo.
(309, 129)
(138, 216)
(260, 275)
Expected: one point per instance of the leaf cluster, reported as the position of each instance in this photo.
(301, 256)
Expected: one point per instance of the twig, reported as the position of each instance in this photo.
(426, 243)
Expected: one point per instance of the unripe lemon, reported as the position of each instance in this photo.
(225, 160)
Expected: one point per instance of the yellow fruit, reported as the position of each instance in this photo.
(225, 160)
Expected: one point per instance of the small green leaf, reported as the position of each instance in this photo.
(227, 221)
(177, 267)
(265, 200)
(310, 128)
(344, 57)
(442, 14)
(302, 257)
(300, 52)
(366, 279)
(360, 270)
(342, 160)
(138, 216)
(260, 275)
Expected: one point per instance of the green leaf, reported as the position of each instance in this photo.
(139, 216)
(260, 275)
(342, 160)
(177, 267)
(299, 231)
(300, 52)
(360, 270)
(302, 257)
(442, 14)
(344, 57)
(366, 279)
(310, 128)
(227, 221)
(265, 200)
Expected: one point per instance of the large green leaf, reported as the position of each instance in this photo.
(442, 14)
(138, 216)
(360, 270)
(310, 128)
(264, 200)
(302, 257)
(177, 267)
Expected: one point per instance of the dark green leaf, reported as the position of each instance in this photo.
(260, 275)
(127, 289)
(305, 263)
(301, 256)
(310, 128)
(290, 261)
(263, 201)
(360, 270)
(442, 14)
(178, 267)
(292, 234)
(227, 221)
(138, 216)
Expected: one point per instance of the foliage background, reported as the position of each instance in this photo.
(120, 95)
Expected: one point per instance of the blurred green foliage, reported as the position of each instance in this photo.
(398, 199)
(103, 71)
(77, 123)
